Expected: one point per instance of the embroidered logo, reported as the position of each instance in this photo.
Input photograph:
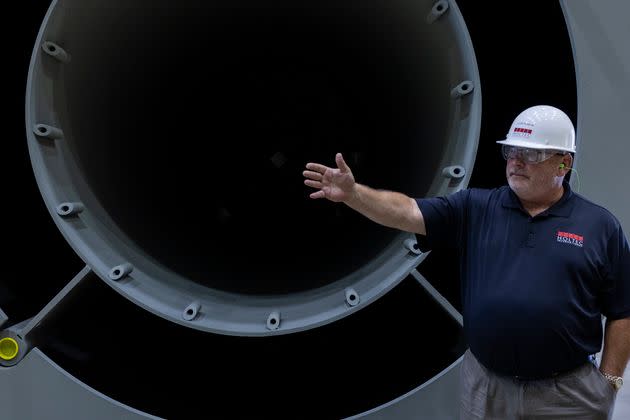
(570, 238)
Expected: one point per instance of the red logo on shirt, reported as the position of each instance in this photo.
(570, 238)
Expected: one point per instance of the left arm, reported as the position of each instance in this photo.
(616, 346)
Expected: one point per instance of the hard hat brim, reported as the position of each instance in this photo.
(530, 145)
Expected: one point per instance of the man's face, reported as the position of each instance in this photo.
(533, 181)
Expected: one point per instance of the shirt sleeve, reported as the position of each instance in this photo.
(616, 294)
(444, 220)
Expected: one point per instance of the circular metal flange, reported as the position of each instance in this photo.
(131, 271)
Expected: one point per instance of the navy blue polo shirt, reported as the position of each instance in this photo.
(533, 288)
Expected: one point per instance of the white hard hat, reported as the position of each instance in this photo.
(542, 127)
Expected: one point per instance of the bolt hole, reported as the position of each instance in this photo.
(42, 130)
(52, 48)
(273, 321)
(440, 8)
(190, 311)
(352, 297)
(466, 87)
(65, 209)
(456, 171)
(117, 272)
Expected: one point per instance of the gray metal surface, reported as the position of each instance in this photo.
(599, 34)
(62, 298)
(3, 317)
(21, 332)
(436, 399)
(106, 248)
(441, 300)
(34, 387)
(86, 224)
(37, 388)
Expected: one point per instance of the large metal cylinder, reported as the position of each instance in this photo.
(153, 129)
(155, 132)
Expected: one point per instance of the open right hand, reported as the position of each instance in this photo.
(335, 184)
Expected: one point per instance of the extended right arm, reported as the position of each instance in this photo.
(388, 208)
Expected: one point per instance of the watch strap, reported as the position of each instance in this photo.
(616, 381)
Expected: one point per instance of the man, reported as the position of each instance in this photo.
(540, 266)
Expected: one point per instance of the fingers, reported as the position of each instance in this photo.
(318, 194)
(316, 167)
(341, 164)
(314, 184)
(313, 175)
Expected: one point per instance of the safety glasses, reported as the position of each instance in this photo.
(528, 155)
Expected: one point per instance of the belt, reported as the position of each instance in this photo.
(591, 359)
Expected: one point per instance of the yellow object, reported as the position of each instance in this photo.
(8, 348)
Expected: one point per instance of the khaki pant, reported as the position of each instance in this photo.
(583, 393)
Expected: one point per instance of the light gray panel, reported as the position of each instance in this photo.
(599, 33)
(3, 317)
(436, 399)
(37, 389)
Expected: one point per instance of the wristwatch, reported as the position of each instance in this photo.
(615, 381)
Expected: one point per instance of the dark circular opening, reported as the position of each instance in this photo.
(273, 321)
(52, 48)
(42, 130)
(325, 77)
(457, 171)
(352, 297)
(465, 87)
(116, 272)
(65, 209)
(190, 312)
(440, 7)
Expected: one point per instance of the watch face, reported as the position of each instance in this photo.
(615, 381)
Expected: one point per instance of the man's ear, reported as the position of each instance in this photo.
(567, 160)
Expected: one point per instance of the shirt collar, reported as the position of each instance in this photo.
(561, 208)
